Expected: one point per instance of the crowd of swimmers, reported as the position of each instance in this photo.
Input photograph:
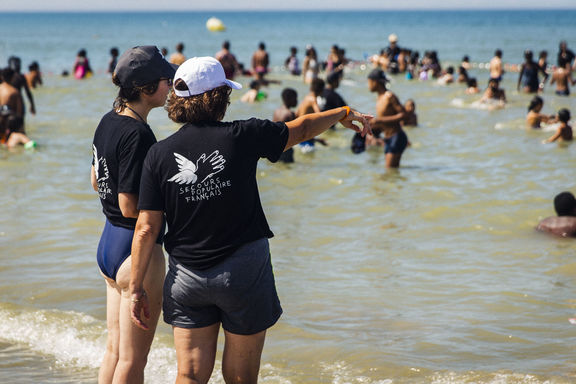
(324, 78)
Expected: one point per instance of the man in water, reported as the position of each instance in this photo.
(178, 57)
(566, 57)
(496, 70)
(392, 51)
(260, 62)
(565, 223)
(11, 112)
(19, 81)
(228, 60)
(389, 114)
(562, 76)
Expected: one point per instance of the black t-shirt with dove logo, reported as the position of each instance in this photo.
(204, 178)
(119, 148)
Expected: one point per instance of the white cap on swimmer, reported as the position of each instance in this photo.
(202, 74)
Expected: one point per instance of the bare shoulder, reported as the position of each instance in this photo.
(564, 226)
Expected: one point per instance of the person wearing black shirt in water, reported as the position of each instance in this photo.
(203, 179)
(120, 144)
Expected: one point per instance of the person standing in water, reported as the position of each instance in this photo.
(496, 68)
(260, 62)
(389, 115)
(285, 114)
(310, 105)
(178, 57)
(11, 113)
(120, 144)
(228, 60)
(203, 180)
(528, 76)
(562, 76)
(20, 83)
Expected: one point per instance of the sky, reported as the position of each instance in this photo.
(252, 5)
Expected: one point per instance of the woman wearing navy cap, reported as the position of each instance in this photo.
(120, 144)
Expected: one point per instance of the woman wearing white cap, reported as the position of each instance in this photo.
(203, 178)
(120, 144)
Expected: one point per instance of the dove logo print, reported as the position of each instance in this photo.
(197, 179)
(102, 174)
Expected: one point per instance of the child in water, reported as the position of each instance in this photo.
(472, 86)
(285, 114)
(254, 94)
(410, 116)
(534, 118)
(564, 132)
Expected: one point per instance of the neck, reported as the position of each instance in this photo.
(138, 111)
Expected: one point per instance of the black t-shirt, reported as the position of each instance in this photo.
(204, 178)
(566, 57)
(332, 99)
(119, 147)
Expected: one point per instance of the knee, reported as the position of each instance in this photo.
(187, 377)
(240, 378)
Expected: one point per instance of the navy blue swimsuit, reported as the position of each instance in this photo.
(396, 143)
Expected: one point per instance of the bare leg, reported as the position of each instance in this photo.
(241, 360)
(110, 360)
(133, 342)
(196, 353)
(17, 138)
(393, 160)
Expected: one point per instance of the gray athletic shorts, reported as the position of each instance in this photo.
(239, 292)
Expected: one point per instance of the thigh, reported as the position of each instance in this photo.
(113, 298)
(134, 341)
(241, 358)
(196, 352)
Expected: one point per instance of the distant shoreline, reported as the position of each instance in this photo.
(239, 11)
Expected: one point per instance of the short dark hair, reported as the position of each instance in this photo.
(564, 115)
(498, 53)
(317, 86)
(180, 47)
(536, 101)
(209, 106)
(6, 74)
(565, 204)
(262, 45)
(289, 94)
(226, 44)
(472, 82)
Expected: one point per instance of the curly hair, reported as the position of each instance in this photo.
(207, 106)
(126, 95)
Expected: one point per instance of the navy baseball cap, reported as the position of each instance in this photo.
(143, 65)
(378, 75)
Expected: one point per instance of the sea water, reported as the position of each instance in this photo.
(432, 273)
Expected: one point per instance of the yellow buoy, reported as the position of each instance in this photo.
(215, 25)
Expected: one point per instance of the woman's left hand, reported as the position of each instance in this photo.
(139, 305)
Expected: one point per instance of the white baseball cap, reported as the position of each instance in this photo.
(202, 74)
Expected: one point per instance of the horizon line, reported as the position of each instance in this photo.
(285, 10)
